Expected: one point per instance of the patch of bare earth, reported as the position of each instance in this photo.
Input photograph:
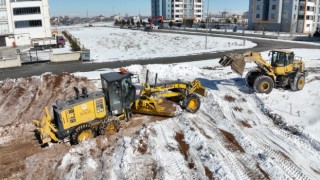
(245, 124)
(233, 144)
(209, 174)
(229, 98)
(21, 101)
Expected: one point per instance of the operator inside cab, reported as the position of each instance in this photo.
(280, 59)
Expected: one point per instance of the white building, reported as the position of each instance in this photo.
(178, 10)
(22, 20)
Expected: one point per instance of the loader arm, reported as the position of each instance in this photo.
(238, 62)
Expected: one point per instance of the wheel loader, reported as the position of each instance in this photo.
(284, 70)
(88, 115)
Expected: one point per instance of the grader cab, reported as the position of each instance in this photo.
(87, 115)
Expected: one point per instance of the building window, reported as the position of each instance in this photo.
(274, 7)
(273, 16)
(26, 10)
(258, 7)
(257, 16)
(27, 24)
(300, 17)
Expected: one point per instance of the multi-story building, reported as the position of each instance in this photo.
(178, 10)
(284, 15)
(22, 20)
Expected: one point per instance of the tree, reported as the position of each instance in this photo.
(128, 22)
(144, 24)
(179, 25)
(132, 22)
(138, 24)
(116, 23)
(123, 22)
(235, 20)
(170, 24)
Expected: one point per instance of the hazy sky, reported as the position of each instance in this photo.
(132, 7)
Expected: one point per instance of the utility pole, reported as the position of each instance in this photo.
(207, 26)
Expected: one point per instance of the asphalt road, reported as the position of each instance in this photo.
(38, 69)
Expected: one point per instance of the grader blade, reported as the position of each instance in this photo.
(156, 107)
(236, 61)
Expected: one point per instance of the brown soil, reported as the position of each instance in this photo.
(233, 143)
(263, 172)
(209, 174)
(210, 68)
(12, 158)
(191, 165)
(184, 147)
(24, 99)
(21, 101)
(202, 131)
(239, 109)
(229, 98)
(245, 124)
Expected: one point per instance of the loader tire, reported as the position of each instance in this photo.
(251, 76)
(82, 132)
(263, 84)
(191, 103)
(298, 82)
(109, 126)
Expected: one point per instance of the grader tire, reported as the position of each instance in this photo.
(109, 126)
(251, 76)
(82, 132)
(263, 84)
(298, 82)
(191, 103)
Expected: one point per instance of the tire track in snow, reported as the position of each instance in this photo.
(291, 169)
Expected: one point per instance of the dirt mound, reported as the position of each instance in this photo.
(21, 101)
(24, 99)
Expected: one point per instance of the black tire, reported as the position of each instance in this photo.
(77, 135)
(263, 84)
(298, 82)
(191, 103)
(110, 125)
(251, 76)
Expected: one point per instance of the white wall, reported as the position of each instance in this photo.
(7, 63)
(23, 36)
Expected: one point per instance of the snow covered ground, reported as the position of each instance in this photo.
(113, 44)
(234, 135)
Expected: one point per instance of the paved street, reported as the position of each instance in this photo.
(38, 69)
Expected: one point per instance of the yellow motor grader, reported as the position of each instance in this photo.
(285, 70)
(87, 115)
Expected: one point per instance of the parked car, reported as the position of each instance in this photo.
(135, 27)
(148, 29)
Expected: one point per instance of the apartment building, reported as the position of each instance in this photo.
(22, 20)
(178, 10)
(284, 15)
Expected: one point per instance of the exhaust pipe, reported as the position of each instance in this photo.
(77, 92)
(147, 77)
(85, 92)
(155, 81)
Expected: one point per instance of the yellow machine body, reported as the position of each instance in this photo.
(85, 115)
(84, 112)
(285, 69)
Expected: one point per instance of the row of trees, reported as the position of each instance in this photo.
(129, 22)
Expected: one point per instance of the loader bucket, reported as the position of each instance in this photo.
(236, 61)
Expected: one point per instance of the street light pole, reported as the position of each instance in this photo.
(207, 26)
